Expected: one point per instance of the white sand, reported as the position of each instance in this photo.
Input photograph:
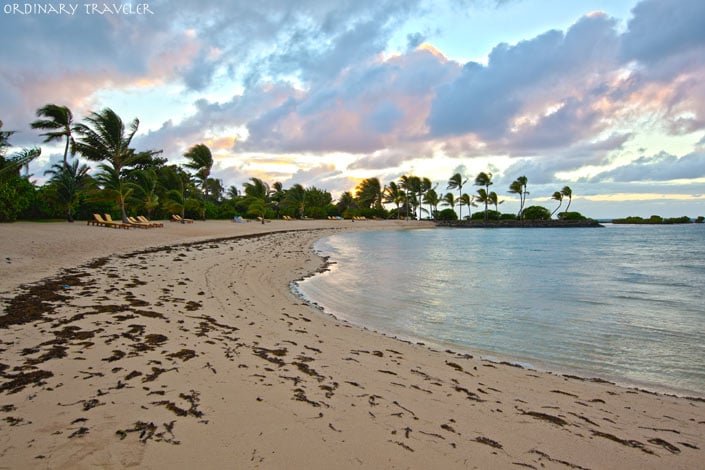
(199, 355)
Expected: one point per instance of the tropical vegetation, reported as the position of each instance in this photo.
(656, 220)
(130, 181)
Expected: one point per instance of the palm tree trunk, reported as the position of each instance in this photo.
(460, 190)
(123, 213)
(66, 151)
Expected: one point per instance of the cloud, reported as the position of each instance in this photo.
(660, 167)
(660, 29)
(485, 100)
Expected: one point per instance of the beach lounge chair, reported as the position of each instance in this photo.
(145, 220)
(96, 220)
(177, 218)
(108, 222)
(137, 223)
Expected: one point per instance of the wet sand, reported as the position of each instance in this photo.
(184, 346)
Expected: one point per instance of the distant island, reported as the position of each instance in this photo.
(535, 223)
(658, 220)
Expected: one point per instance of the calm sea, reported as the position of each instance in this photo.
(623, 303)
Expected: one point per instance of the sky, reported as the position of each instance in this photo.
(606, 97)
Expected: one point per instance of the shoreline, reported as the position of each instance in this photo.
(223, 365)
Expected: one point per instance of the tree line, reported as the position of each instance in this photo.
(129, 181)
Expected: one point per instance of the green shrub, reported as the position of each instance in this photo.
(447, 214)
(571, 216)
(508, 217)
(16, 195)
(491, 215)
(537, 213)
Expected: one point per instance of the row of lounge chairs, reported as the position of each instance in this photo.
(138, 222)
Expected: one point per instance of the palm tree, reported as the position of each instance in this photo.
(258, 208)
(15, 162)
(276, 196)
(105, 138)
(518, 186)
(558, 196)
(295, 197)
(58, 122)
(257, 189)
(424, 188)
(233, 192)
(394, 194)
(449, 200)
(484, 179)
(178, 197)
(145, 187)
(467, 200)
(66, 183)
(201, 161)
(567, 192)
(483, 197)
(346, 202)
(4, 140)
(494, 200)
(431, 198)
(412, 186)
(456, 182)
(369, 193)
(257, 194)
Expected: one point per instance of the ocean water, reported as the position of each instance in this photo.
(623, 303)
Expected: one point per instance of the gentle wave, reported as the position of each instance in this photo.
(621, 303)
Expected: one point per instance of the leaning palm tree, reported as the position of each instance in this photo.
(456, 182)
(369, 193)
(567, 192)
(518, 186)
(557, 196)
(4, 139)
(484, 179)
(66, 183)
(15, 162)
(201, 161)
(104, 137)
(58, 122)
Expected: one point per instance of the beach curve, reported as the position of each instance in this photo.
(186, 347)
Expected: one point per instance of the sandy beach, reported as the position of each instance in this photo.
(184, 346)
